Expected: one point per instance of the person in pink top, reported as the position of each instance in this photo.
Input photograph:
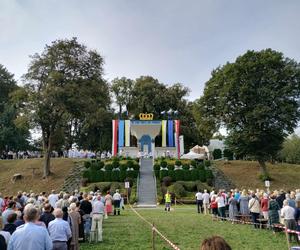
(264, 205)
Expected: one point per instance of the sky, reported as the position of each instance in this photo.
(171, 40)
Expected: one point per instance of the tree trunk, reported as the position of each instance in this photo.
(47, 155)
(263, 167)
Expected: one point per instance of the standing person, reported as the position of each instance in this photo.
(74, 221)
(53, 198)
(199, 201)
(205, 197)
(117, 200)
(108, 204)
(221, 205)
(97, 218)
(264, 205)
(86, 207)
(47, 216)
(10, 225)
(288, 213)
(59, 231)
(167, 201)
(254, 208)
(214, 205)
(233, 209)
(30, 236)
(81, 226)
(10, 210)
(273, 212)
(244, 204)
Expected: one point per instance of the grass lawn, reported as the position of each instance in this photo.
(244, 174)
(184, 227)
(59, 166)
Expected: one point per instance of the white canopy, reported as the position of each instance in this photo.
(192, 155)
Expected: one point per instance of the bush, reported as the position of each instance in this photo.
(135, 173)
(217, 153)
(179, 174)
(114, 186)
(265, 177)
(123, 175)
(108, 167)
(123, 167)
(130, 180)
(207, 163)
(84, 182)
(103, 186)
(115, 175)
(202, 176)
(87, 164)
(178, 190)
(209, 174)
(193, 163)
(167, 181)
(185, 167)
(101, 164)
(130, 164)
(115, 164)
(136, 167)
(157, 173)
(228, 154)
(130, 174)
(156, 167)
(189, 185)
(86, 174)
(163, 164)
(171, 173)
(107, 175)
(201, 166)
(194, 174)
(163, 173)
(178, 163)
(94, 166)
(171, 166)
(187, 175)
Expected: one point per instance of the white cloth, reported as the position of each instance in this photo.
(116, 196)
(53, 198)
(254, 205)
(6, 236)
(205, 197)
(221, 202)
(199, 196)
(288, 213)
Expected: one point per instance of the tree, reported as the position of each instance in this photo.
(123, 91)
(14, 128)
(290, 151)
(256, 99)
(64, 86)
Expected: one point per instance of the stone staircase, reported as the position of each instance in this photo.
(221, 181)
(73, 179)
(146, 185)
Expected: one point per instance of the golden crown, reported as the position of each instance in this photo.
(146, 117)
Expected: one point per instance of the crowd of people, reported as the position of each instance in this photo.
(57, 221)
(275, 208)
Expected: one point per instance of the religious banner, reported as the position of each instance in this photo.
(177, 131)
(121, 134)
(164, 133)
(115, 137)
(127, 133)
(170, 134)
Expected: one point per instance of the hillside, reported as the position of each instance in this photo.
(244, 174)
(60, 168)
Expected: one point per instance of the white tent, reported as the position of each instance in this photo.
(192, 155)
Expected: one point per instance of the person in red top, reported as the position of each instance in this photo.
(264, 205)
(214, 205)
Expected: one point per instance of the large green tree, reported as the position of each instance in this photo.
(256, 99)
(290, 151)
(14, 129)
(65, 89)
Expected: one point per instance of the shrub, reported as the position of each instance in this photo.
(156, 166)
(94, 166)
(86, 174)
(163, 173)
(115, 164)
(179, 174)
(130, 164)
(200, 166)
(135, 173)
(228, 154)
(163, 164)
(189, 185)
(207, 163)
(210, 182)
(177, 189)
(202, 176)
(130, 180)
(171, 166)
(123, 167)
(130, 173)
(114, 186)
(178, 163)
(87, 164)
(108, 167)
(209, 174)
(194, 174)
(122, 175)
(185, 166)
(217, 153)
(187, 175)
(84, 182)
(157, 173)
(167, 181)
(171, 173)
(93, 175)
(107, 175)
(265, 177)
(115, 176)
(101, 164)
(136, 167)
(193, 163)
(103, 186)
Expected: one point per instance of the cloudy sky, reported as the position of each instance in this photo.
(172, 40)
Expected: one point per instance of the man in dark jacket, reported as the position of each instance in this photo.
(47, 216)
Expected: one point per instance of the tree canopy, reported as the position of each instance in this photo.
(256, 98)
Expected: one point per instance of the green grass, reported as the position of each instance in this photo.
(184, 227)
